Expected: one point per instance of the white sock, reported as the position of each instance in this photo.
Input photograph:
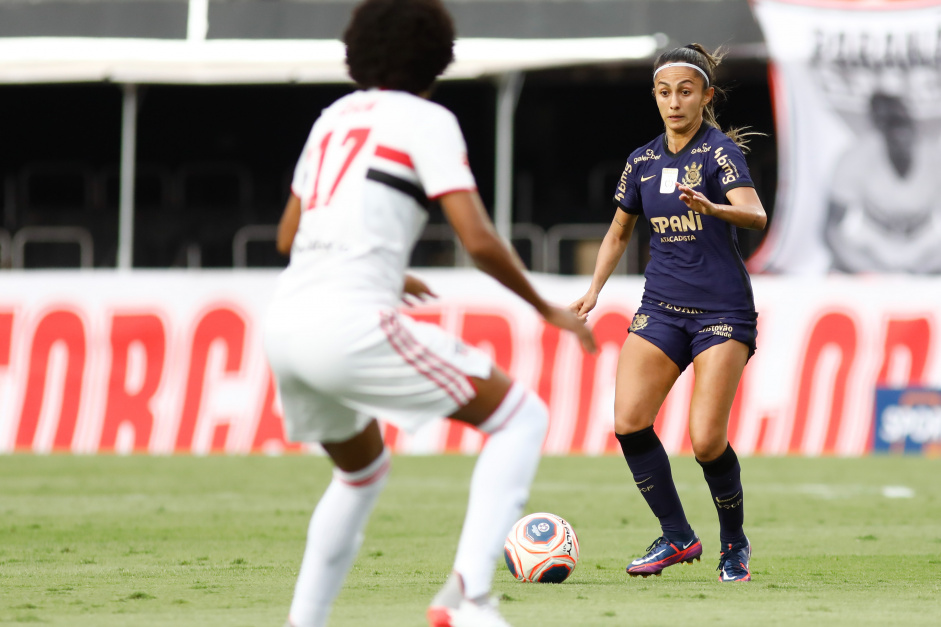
(333, 539)
(500, 485)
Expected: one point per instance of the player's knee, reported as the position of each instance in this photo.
(538, 414)
(630, 422)
(708, 448)
(372, 478)
(521, 410)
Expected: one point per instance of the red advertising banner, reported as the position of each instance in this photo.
(172, 362)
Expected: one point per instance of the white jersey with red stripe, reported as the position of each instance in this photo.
(336, 342)
(370, 165)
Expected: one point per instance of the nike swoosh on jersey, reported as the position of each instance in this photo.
(644, 481)
(647, 178)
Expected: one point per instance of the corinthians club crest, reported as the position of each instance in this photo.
(638, 323)
(693, 176)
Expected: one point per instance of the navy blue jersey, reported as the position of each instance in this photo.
(695, 261)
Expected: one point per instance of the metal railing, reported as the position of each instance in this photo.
(53, 235)
(560, 233)
(531, 233)
(545, 247)
(6, 243)
(247, 234)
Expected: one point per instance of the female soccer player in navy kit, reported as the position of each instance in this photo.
(692, 185)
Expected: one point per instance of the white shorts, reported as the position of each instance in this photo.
(336, 371)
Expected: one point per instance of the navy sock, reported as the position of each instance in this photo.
(650, 466)
(724, 476)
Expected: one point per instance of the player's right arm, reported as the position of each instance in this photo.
(609, 254)
(628, 203)
(465, 211)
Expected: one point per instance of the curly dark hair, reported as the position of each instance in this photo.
(399, 44)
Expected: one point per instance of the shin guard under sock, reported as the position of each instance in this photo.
(724, 476)
(650, 466)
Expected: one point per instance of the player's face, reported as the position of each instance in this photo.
(681, 97)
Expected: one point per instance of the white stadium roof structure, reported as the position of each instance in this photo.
(134, 42)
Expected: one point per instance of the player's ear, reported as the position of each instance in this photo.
(709, 95)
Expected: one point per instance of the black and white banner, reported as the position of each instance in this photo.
(857, 96)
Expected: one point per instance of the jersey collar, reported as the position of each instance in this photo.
(693, 142)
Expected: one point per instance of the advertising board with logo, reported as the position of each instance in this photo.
(173, 362)
(907, 420)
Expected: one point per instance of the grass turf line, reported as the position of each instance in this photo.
(161, 541)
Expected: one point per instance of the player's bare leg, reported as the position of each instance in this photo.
(516, 420)
(718, 372)
(645, 376)
(336, 528)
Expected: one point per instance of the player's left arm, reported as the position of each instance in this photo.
(287, 227)
(744, 208)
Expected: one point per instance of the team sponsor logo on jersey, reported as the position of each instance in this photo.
(319, 246)
(692, 221)
(649, 155)
(729, 171)
(622, 185)
(701, 149)
(358, 107)
(725, 330)
(639, 322)
(693, 176)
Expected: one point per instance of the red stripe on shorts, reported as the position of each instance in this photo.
(458, 378)
(420, 358)
(449, 370)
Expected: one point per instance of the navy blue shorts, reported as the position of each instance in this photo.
(683, 332)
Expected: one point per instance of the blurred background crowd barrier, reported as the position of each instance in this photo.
(149, 147)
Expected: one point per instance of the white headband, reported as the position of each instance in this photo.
(683, 64)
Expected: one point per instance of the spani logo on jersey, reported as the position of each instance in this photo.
(541, 548)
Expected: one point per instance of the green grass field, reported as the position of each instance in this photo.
(181, 541)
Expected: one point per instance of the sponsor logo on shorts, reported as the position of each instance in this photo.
(725, 330)
(678, 309)
(639, 322)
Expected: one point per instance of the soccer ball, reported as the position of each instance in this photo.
(541, 548)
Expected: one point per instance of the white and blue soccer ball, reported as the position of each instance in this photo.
(541, 548)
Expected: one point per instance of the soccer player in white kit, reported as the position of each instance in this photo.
(342, 353)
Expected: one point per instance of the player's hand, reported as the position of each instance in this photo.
(583, 305)
(568, 321)
(415, 291)
(696, 201)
